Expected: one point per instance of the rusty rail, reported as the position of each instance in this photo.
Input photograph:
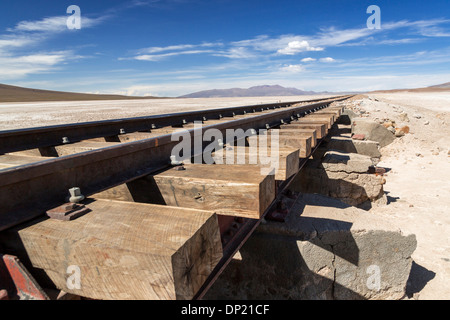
(44, 184)
(41, 137)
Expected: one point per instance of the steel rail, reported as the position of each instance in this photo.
(41, 137)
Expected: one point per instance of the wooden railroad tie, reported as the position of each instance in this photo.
(298, 141)
(124, 250)
(297, 132)
(288, 159)
(321, 129)
(233, 190)
(315, 120)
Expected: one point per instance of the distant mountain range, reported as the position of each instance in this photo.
(19, 94)
(441, 86)
(277, 90)
(258, 91)
(10, 93)
(444, 87)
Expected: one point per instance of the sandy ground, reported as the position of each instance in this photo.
(26, 115)
(418, 184)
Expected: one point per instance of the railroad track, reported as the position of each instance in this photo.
(127, 165)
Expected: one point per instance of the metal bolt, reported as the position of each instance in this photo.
(153, 126)
(65, 140)
(204, 119)
(75, 195)
(267, 126)
(122, 131)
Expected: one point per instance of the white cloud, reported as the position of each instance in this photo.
(332, 37)
(236, 53)
(178, 47)
(264, 47)
(158, 57)
(436, 57)
(160, 53)
(329, 37)
(15, 42)
(13, 66)
(260, 43)
(292, 68)
(282, 45)
(49, 59)
(377, 42)
(53, 24)
(327, 59)
(398, 41)
(295, 47)
(18, 57)
(427, 28)
(309, 59)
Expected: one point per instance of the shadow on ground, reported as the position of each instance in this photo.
(418, 278)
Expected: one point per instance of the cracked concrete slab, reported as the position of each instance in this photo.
(364, 147)
(325, 249)
(344, 176)
(372, 131)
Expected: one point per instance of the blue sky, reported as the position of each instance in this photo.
(175, 47)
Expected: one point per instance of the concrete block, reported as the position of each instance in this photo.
(372, 131)
(365, 147)
(324, 250)
(344, 176)
(347, 116)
